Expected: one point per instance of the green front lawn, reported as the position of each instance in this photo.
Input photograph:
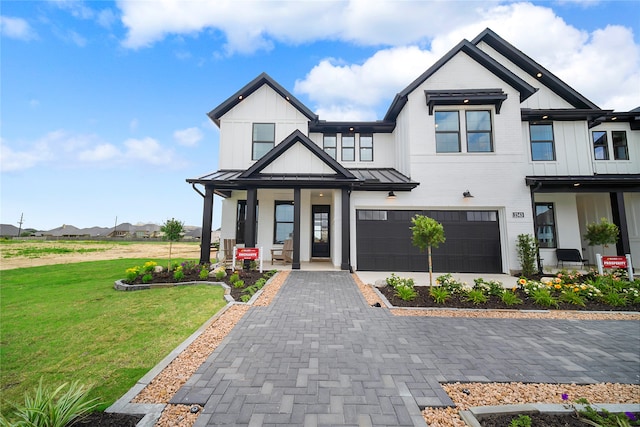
(66, 322)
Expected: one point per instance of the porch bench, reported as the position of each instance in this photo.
(570, 255)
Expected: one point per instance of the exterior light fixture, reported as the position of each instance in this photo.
(539, 74)
(614, 118)
(391, 195)
(321, 195)
(467, 194)
(576, 184)
(350, 129)
(545, 117)
(466, 101)
(240, 97)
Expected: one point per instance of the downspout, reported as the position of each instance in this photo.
(198, 191)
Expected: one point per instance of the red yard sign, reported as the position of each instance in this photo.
(247, 253)
(614, 262)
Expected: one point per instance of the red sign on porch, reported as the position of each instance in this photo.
(614, 262)
(247, 253)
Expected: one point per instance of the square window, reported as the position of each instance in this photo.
(620, 149)
(447, 132)
(600, 145)
(264, 135)
(348, 147)
(542, 145)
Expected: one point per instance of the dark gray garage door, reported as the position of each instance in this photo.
(472, 246)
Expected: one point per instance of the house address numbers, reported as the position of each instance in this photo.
(517, 214)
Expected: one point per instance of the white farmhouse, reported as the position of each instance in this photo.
(486, 141)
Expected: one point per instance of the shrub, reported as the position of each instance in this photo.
(245, 298)
(527, 248)
(53, 408)
(447, 282)
(238, 284)
(572, 297)
(510, 298)
(476, 296)
(149, 266)
(234, 278)
(147, 278)
(603, 233)
(615, 299)
(204, 273)
(439, 294)
(406, 292)
(178, 274)
(543, 297)
(492, 287)
(132, 273)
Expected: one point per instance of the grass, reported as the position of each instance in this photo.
(66, 323)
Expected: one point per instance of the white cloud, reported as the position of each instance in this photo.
(100, 153)
(147, 150)
(584, 61)
(16, 28)
(256, 25)
(188, 137)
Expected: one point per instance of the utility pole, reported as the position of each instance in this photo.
(20, 222)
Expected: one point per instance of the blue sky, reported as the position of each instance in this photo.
(103, 103)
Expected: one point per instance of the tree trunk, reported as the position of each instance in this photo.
(169, 266)
(430, 266)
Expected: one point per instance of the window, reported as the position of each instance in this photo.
(620, 150)
(241, 219)
(329, 145)
(447, 132)
(545, 225)
(283, 221)
(367, 215)
(264, 136)
(348, 148)
(366, 148)
(542, 147)
(478, 131)
(600, 145)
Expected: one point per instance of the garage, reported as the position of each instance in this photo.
(472, 242)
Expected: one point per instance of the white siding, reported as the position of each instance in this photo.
(613, 166)
(298, 159)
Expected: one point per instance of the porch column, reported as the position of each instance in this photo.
(250, 223)
(619, 214)
(296, 228)
(346, 229)
(207, 217)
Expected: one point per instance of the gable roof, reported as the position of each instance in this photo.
(251, 87)
(534, 69)
(296, 137)
(525, 89)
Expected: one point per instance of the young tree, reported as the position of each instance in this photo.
(602, 233)
(427, 233)
(527, 248)
(172, 229)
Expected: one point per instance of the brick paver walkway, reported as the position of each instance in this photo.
(319, 355)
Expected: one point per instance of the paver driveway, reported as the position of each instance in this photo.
(319, 355)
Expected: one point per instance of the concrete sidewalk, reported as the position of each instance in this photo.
(319, 355)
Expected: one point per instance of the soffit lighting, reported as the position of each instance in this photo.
(240, 97)
(466, 101)
(576, 184)
(391, 195)
(545, 117)
(614, 118)
(467, 194)
(539, 74)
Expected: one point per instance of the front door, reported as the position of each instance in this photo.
(321, 246)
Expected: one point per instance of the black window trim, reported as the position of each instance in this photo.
(458, 132)
(551, 206)
(490, 131)
(361, 148)
(552, 140)
(275, 218)
(254, 142)
(343, 148)
(335, 147)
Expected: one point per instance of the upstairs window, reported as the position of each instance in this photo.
(478, 131)
(348, 148)
(264, 136)
(542, 145)
(545, 225)
(366, 148)
(447, 132)
(283, 221)
(620, 149)
(329, 145)
(600, 145)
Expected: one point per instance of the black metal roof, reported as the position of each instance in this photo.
(465, 97)
(584, 183)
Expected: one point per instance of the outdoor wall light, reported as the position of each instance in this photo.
(467, 194)
(391, 195)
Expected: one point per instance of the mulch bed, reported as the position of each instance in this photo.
(107, 419)
(249, 277)
(537, 420)
(459, 301)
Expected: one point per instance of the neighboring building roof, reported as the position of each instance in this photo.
(8, 230)
(251, 87)
(525, 89)
(534, 69)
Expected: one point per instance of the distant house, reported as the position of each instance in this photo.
(8, 230)
(486, 141)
